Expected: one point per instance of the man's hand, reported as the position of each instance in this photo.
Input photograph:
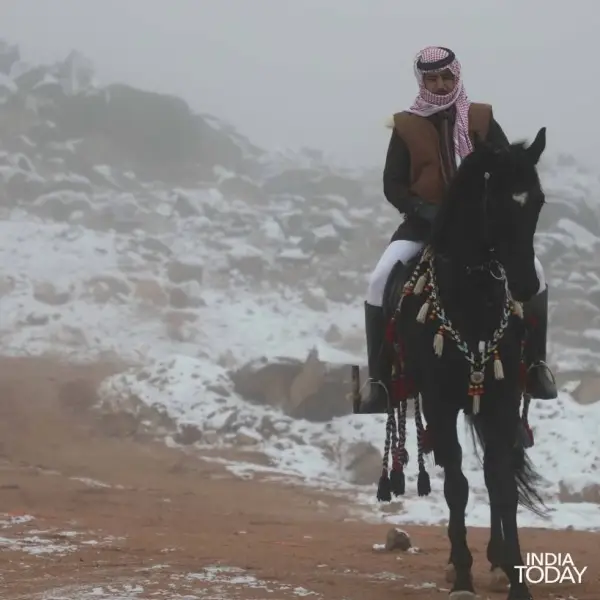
(424, 210)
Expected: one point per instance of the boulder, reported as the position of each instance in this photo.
(309, 389)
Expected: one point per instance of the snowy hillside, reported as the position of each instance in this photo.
(134, 227)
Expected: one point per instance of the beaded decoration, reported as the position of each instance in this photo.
(423, 283)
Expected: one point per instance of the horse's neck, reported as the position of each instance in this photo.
(457, 234)
(473, 301)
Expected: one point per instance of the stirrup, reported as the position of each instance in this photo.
(544, 364)
(380, 383)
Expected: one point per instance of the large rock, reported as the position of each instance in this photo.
(588, 389)
(589, 493)
(154, 134)
(312, 390)
(363, 463)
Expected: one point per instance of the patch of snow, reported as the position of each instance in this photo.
(36, 545)
(184, 388)
(11, 521)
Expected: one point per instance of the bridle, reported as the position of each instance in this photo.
(492, 266)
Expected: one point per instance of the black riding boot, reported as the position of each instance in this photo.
(540, 380)
(380, 361)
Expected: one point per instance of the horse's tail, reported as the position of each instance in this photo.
(527, 477)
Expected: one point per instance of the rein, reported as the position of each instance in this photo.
(492, 266)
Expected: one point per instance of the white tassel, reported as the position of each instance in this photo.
(518, 309)
(498, 368)
(476, 404)
(422, 314)
(438, 344)
(420, 285)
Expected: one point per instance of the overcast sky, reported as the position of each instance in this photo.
(327, 73)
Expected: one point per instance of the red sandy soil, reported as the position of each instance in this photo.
(163, 506)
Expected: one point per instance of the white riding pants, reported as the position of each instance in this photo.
(404, 251)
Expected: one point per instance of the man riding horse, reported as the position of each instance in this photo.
(428, 142)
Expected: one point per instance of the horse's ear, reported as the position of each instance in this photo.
(538, 146)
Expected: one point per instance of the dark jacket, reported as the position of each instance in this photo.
(397, 177)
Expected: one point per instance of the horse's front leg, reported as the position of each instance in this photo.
(495, 552)
(500, 480)
(456, 492)
(495, 549)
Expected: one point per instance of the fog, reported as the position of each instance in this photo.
(327, 73)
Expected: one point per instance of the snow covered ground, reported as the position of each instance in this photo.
(71, 289)
(565, 447)
(187, 381)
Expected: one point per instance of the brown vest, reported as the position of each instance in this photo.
(422, 139)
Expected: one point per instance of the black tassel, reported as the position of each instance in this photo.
(384, 491)
(423, 483)
(525, 435)
(397, 481)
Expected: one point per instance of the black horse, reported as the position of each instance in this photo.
(458, 332)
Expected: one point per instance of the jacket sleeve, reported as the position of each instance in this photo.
(396, 182)
(396, 174)
(495, 135)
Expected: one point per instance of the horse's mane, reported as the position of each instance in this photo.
(465, 187)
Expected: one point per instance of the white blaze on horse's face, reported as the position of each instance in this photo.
(521, 198)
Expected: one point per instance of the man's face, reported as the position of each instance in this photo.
(441, 83)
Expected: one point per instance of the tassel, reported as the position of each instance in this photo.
(498, 368)
(422, 314)
(518, 309)
(397, 481)
(420, 285)
(525, 435)
(522, 375)
(476, 388)
(403, 456)
(423, 483)
(426, 441)
(438, 343)
(402, 453)
(384, 492)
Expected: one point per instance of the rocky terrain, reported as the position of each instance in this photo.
(134, 227)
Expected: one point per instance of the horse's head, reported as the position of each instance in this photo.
(491, 212)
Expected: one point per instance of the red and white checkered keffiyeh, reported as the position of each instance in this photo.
(427, 104)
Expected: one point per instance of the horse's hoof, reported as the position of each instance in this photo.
(498, 580)
(462, 595)
(519, 595)
(450, 573)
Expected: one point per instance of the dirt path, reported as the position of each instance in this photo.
(89, 513)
